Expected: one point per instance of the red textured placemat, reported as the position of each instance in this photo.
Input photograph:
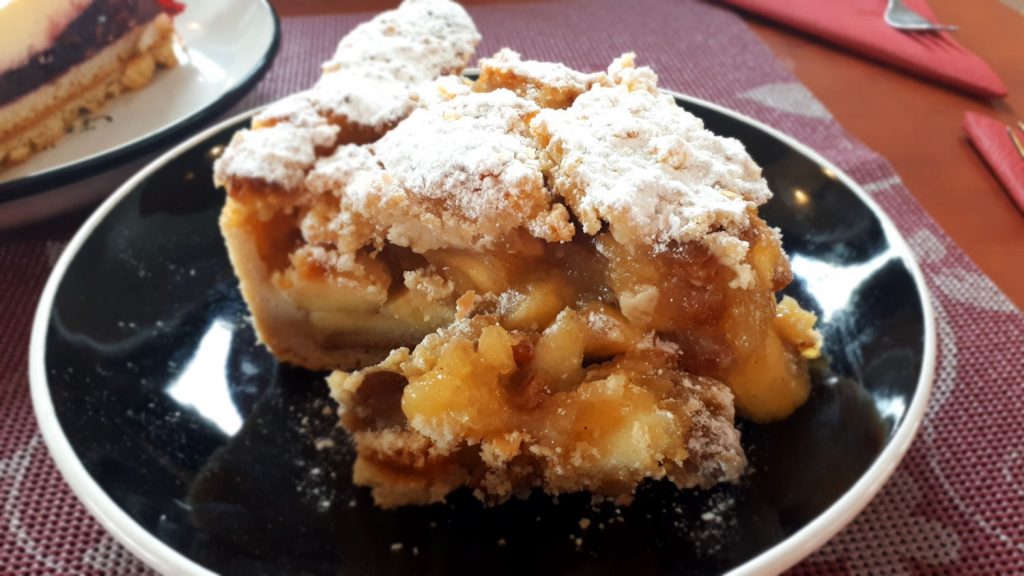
(954, 506)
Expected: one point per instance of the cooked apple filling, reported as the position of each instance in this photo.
(503, 411)
(542, 279)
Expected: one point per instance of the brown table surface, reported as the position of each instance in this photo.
(913, 123)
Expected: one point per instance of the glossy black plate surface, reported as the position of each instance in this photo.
(209, 445)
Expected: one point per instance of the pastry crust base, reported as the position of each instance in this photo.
(280, 325)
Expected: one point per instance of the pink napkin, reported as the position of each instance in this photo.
(993, 143)
(858, 26)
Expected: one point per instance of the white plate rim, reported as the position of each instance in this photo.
(42, 182)
(778, 558)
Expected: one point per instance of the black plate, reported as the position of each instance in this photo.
(205, 442)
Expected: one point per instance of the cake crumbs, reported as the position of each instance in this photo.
(323, 443)
(397, 547)
(584, 523)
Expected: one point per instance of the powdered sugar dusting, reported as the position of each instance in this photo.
(602, 324)
(441, 90)
(467, 169)
(363, 194)
(628, 156)
(547, 73)
(297, 110)
(472, 151)
(509, 301)
(470, 160)
(551, 84)
(373, 80)
(374, 72)
(279, 156)
(333, 173)
(365, 96)
(425, 38)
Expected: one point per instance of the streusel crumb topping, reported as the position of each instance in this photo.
(549, 84)
(277, 155)
(363, 96)
(481, 170)
(372, 82)
(627, 156)
(281, 147)
(377, 66)
(470, 162)
(441, 90)
(296, 110)
(426, 38)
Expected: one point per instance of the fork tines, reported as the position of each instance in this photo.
(1016, 141)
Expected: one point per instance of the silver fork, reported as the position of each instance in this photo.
(1016, 141)
(900, 17)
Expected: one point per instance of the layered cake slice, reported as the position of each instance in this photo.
(544, 279)
(60, 59)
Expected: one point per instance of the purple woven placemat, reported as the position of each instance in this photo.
(956, 503)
